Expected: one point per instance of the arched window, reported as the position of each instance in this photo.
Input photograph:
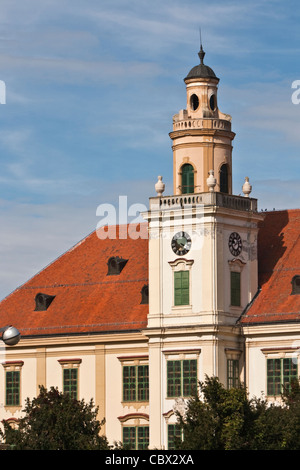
(187, 179)
(224, 179)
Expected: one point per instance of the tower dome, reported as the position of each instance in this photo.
(201, 70)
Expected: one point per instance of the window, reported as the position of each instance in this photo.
(181, 378)
(13, 382)
(115, 265)
(224, 179)
(70, 382)
(182, 279)
(12, 388)
(235, 288)
(232, 373)
(280, 372)
(181, 288)
(213, 102)
(194, 102)
(174, 434)
(296, 285)
(136, 383)
(136, 437)
(70, 376)
(43, 301)
(187, 179)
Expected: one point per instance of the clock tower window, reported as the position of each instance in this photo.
(235, 289)
(194, 101)
(187, 179)
(224, 179)
(181, 288)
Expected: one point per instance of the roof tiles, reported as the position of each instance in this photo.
(86, 298)
(278, 263)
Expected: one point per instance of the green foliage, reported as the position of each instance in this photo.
(55, 421)
(221, 419)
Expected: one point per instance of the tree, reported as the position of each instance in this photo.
(56, 421)
(221, 419)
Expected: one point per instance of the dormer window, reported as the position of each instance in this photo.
(296, 285)
(145, 295)
(115, 265)
(43, 301)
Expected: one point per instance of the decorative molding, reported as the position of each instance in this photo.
(134, 416)
(185, 262)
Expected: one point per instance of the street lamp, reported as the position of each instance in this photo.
(11, 336)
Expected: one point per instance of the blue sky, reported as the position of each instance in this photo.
(91, 88)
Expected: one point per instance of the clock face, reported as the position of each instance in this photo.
(181, 243)
(235, 244)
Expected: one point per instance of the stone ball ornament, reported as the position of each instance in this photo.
(11, 336)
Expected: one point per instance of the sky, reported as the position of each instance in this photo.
(88, 90)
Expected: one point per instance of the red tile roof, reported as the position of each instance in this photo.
(86, 299)
(278, 263)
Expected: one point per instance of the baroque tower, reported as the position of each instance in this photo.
(202, 136)
(202, 258)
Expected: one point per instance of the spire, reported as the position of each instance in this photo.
(201, 53)
(201, 70)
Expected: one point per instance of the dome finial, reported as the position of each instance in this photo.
(201, 53)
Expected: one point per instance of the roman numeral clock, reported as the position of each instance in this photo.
(181, 243)
(235, 244)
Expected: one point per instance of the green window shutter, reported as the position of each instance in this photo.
(142, 437)
(181, 378)
(136, 437)
(280, 373)
(129, 383)
(187, 179)
(189, 377)
(136, 383)
(232, 373)
(185, 288)
(129, 437)
(174, 434)
(235, 289)
(181, 287)
(143, 383)
(289, 372)
(173, 379)
(70, 382)
(273, 376)
(177, 288)
(13, 388)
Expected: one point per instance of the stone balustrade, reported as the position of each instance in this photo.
(220, 124)
(229, 201)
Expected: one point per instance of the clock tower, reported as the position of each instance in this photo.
(202, 136)
(202, 258)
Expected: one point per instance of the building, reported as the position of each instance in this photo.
(134, 316)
